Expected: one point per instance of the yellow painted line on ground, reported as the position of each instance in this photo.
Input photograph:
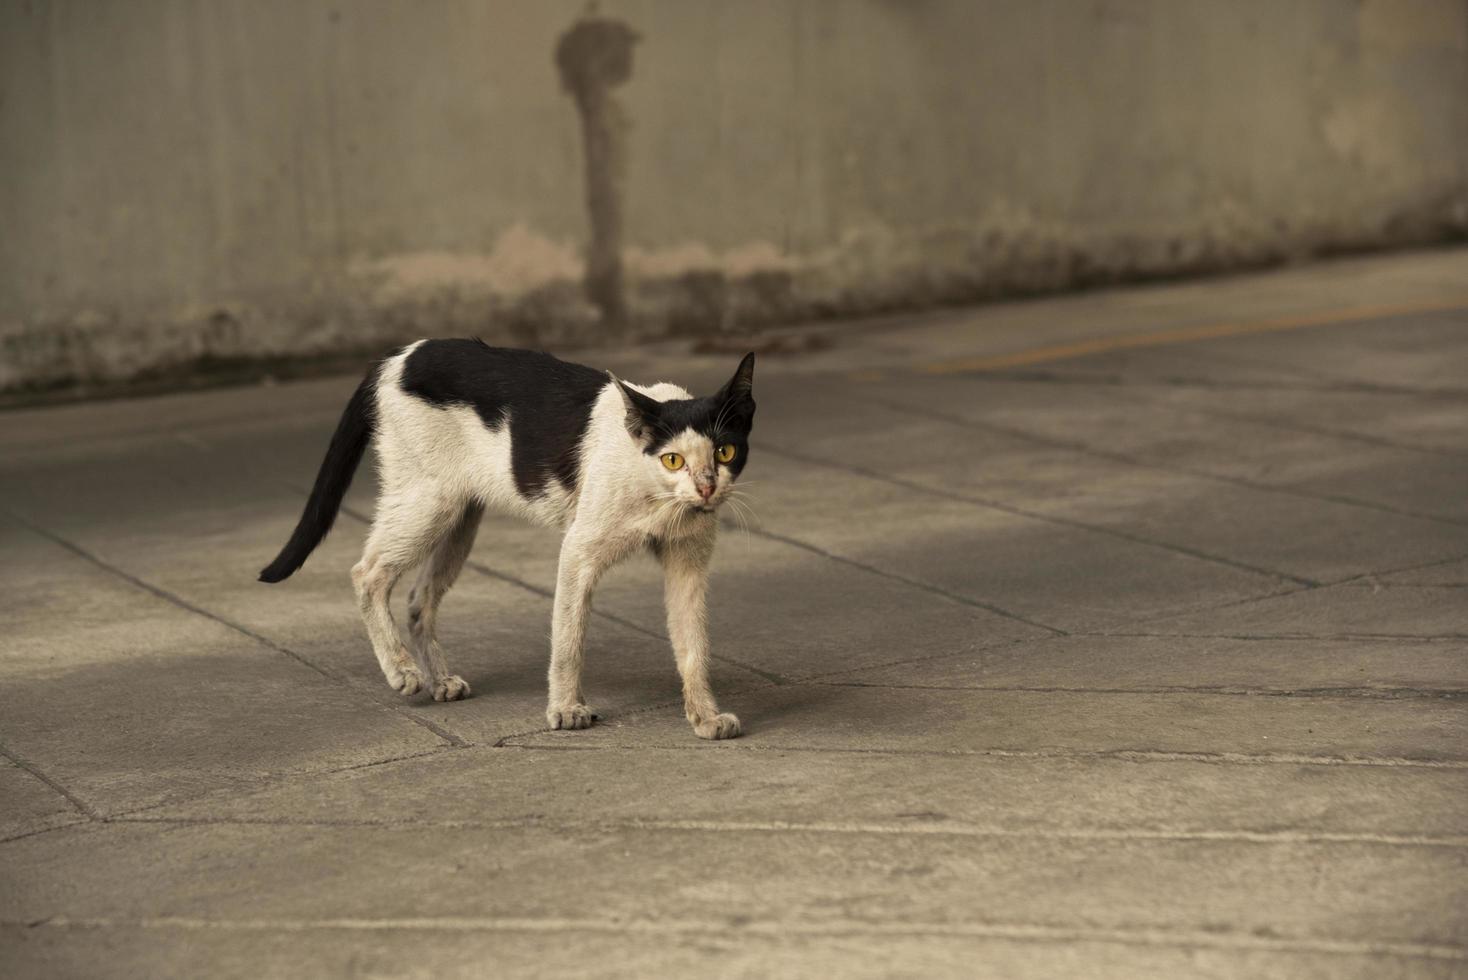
(1182, 335)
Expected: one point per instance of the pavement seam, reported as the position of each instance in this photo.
(977, 501)
(1398, 569)
(126, 816)
(912, 582)
(1381, 586)
(1406, 637)
(831, 678)
(1130, 755)
(1345, 693)
(1370, 577)
(31, 769)
(824, 676)
(1350, 581)
(1150, 399)
(1113, 380)
(51, 829)
(1143, 463)
(1245, 601)
(1335, 381)
(1160, 336)
(342, 682)
(267, 779)
(951, 829)
(1346, 436)
(745, 926)
(1219, 607)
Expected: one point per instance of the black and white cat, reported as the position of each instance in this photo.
(461, 426)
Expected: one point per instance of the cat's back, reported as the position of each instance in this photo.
(495, 381)
(503, 423)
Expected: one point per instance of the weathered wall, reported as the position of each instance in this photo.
(195, 179)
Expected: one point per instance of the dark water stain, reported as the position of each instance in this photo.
(595, 56)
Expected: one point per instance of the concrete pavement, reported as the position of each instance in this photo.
(1145, 661)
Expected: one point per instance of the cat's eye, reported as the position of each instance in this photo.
(673, 461)
(726, 452)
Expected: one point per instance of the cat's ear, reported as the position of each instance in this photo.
(740, 388)
(642, 411)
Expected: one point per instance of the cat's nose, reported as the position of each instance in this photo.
(705, 490)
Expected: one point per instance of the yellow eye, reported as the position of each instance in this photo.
(673, 461)
(727, 452)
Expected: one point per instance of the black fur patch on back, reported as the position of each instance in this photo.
(548, 401)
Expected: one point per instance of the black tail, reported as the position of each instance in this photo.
(347, 446)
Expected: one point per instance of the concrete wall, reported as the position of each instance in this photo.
(189, 179)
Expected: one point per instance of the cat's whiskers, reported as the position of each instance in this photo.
(738, 515)
(679, 518)
(742, 510)
(746, 501)
(670, 507)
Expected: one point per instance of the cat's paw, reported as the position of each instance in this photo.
(407, 680)
(450, 688)
(569, 717)
(719, 726)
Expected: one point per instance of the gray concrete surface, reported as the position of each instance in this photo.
(213, 180)
(1149, 660)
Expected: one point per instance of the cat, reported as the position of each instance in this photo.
(461, 427)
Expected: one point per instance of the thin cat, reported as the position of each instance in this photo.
(460, 427)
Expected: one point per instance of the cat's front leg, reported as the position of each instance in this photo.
(581, 564)
(685, 579)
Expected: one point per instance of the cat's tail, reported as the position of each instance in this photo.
(344, 454)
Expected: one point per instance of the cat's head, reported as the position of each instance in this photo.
(695, 448)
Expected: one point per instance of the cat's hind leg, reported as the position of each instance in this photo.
(435, 577)
(408, 525)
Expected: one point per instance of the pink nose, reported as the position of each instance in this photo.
(705, 490)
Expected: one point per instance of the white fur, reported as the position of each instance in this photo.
(440, 467)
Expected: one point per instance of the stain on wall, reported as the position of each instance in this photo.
(213, 182)
(593, 57)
